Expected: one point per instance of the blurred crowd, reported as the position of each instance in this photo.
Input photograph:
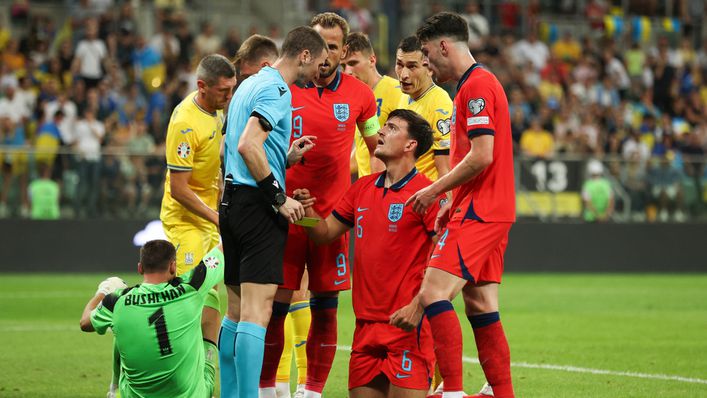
(639, 106)
(91, 96)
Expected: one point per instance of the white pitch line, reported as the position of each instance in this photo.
(577, 369)
(526, 365)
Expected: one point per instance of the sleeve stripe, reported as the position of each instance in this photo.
(441, 152)
(476, 132)
(178, 168)
(198, 276)
(342, 219)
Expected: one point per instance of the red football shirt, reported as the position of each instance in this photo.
(330, 114)
(481, 107)
(392, 243)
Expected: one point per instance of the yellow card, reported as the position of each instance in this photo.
(307, 221)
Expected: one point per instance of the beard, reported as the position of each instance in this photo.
(331, 71)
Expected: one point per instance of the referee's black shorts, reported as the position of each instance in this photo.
(253, 237)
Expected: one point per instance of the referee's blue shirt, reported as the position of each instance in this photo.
(267, 94)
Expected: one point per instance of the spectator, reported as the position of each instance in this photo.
(14, 106)
(551, 91)
(44, 195)
(694, 157)
(567, 49)
(49, 140)
(531, 49)
(140, 146)
(633, 179)
(149, 67)
(91, 53)
(635, 61)
(207, 42)
(666, 189)
(14, 165)
(588, 133)
(232, 43)
(478, 25)
(12, 57)
(635, 148)
(597, 194)
(186, 40)
(166, 45)
(87, 143)
(537, 142)
(616, 71)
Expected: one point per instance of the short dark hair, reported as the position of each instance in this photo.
(255, 48)
(213, 67)
(444, 24)
(303, 38)
(330, 20)
(410, 44)
(418, 129)
(156, 255)
(358, 41)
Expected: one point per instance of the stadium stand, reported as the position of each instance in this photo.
(621, 82)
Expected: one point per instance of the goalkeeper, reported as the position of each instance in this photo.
(157, 324)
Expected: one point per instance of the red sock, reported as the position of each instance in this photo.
(447, 335)
(274, 343)
(494, 354)
(321, 342)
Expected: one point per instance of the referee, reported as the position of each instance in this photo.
(254, 211)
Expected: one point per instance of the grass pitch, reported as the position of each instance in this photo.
(570, 336)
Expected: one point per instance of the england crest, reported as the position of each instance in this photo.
(341, 112)
(395, 212)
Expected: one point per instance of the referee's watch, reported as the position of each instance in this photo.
(280, 199)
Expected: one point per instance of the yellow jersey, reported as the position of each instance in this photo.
(193, 144)
(435, 106)
(387, 93)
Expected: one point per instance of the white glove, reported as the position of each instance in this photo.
(110, 285)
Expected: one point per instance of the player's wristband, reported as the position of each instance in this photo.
(271, 188)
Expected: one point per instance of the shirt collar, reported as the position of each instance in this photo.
(380, 182)
(466, 75)
(333, 86)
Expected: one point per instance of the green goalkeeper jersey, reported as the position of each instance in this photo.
(158, 332)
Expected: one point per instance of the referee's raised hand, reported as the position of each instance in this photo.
(292, 210)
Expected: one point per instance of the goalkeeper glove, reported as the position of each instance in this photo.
(110, 285)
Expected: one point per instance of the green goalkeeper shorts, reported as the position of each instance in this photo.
(213, 300)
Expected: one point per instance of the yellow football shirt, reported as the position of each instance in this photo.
(435, 106)
(193, 144)
(387, 93)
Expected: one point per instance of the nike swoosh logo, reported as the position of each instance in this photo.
(186, 131)
(436, 255)
(337, 283)
(213, 135)
(442, 111)
(399, 376)
(300, 344)
(297, 108)
(282, 91)
(360, 209)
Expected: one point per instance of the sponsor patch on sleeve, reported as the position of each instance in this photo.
(478, 120)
